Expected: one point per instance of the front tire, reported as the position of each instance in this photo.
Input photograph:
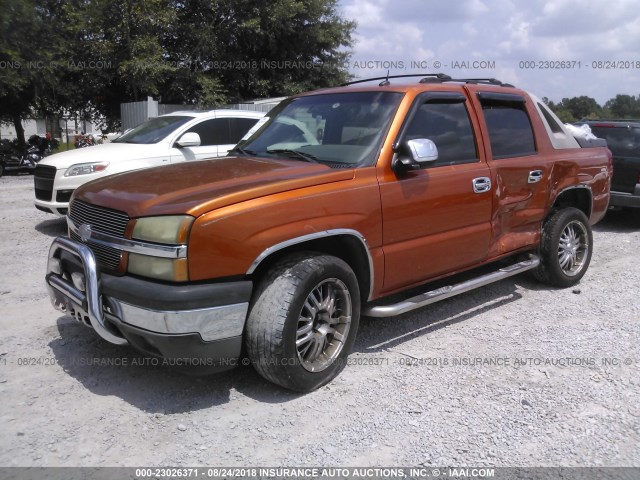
(303, 321)
(565, 249)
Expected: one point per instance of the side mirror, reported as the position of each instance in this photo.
(423, 150)
(417, 153)
(189, 139)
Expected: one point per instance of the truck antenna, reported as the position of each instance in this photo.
(385, 82)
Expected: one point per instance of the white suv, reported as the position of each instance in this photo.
(172, 138)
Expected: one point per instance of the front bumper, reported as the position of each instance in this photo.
(57, 208)
(53, 194)
(191, 324)
(620, 199)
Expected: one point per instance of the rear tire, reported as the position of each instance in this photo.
(303, 321)
(565, 248)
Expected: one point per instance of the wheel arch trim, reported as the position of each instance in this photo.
(267, 252)
(579, 188)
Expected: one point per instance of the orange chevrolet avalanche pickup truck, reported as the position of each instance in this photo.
(333, 202)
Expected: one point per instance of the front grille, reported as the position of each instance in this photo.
(104, 220)
(63, 196)
(106, 257)
(43, 181)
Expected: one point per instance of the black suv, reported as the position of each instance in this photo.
(623, 139)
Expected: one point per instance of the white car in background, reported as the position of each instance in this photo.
(172, 138)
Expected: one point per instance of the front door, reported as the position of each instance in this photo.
(212, 132)
(437, 220)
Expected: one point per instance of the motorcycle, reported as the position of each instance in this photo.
(46, 145)
(84, 140)
(13, 159)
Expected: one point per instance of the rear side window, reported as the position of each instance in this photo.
(553, 125)
(509, 127)
(449, 127)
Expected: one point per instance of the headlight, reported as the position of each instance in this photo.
(85, 168)
(172, 229)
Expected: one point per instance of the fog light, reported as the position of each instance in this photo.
(78, 281)
(55, 266)
(58, 305)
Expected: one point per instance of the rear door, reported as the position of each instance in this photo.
(437, 220)
(521, 174)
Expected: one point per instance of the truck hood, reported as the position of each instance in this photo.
(200, 187)
(109, 152)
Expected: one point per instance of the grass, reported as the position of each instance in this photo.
(63, 147)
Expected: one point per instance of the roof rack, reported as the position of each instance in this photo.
(431, 78)
(435, 76)
(628, 120)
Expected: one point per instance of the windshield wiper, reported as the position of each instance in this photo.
(243, 151)
(307, 157)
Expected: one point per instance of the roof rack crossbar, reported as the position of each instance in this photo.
(489, 81)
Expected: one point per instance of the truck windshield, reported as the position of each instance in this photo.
(154, 130)
(341, 130)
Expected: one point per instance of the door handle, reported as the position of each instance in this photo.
(535, 176)
(481, 184)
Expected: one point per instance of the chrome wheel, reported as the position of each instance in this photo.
(573, 248)
(323, 325)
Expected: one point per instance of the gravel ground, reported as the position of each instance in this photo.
(514, 374)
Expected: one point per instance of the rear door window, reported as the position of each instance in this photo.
(510, 131)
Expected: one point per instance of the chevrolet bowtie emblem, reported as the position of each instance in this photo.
(85, 232)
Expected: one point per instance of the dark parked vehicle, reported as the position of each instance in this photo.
(623, 139)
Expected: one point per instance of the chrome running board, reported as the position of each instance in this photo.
(434, 296)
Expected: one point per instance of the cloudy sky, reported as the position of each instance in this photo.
(520, 42)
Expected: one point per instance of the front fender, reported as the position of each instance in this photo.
(232, 241)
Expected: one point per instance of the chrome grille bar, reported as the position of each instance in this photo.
(101, 219)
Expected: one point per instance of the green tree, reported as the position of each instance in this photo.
(624, 106)
(76, 65)
(565, 115)
(24, 62)
(93, 55)
(259, 49)
(580, 107)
